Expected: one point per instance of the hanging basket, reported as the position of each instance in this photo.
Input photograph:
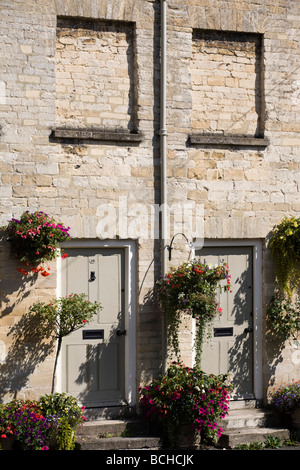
(35, 239)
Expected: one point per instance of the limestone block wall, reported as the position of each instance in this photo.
(226, 82)
(94, 69)
(232, 70)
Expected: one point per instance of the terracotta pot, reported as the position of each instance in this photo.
(7, 443)
(187, 437)
(295, 418)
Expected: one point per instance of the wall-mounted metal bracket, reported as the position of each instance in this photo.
(169, 247)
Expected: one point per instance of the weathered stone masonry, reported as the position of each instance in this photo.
(79, 117)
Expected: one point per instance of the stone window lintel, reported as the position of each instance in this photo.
(96, 134)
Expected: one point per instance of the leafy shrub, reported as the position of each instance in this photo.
(187, 395)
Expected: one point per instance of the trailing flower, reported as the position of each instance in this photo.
(285, 251)
(35, 238)
(46, 424)
(284, 309)
(286, 398)
(191, 289)
(186, 395)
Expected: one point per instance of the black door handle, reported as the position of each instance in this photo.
(248, 330)
(120, 333)
(92, 276)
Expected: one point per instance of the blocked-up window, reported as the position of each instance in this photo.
(227, 92)
(94, 66)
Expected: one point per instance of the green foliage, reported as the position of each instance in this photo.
(64, 315)
(286, 398)
(284, 316)
(191, 289)
(252, 446)
(35, 238)
(285, 251)
(273, 442)
(284, 310)
(47, 423)
(187, 395)
(68, 415)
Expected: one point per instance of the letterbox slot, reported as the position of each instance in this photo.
(223, 331)
(93, 334)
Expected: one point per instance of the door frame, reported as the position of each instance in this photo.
(130, 308)
(256, 246)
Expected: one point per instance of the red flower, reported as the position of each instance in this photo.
(45, 273)
(65, 255)
(23, 271)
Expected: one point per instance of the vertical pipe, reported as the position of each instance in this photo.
(163, 164)
(163, 138)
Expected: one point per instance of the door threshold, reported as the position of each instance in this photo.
(109, 412)
(240, 403)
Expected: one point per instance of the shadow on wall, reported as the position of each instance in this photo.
(25, 347)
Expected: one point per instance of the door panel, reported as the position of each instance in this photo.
(232, 351)
(93, 369)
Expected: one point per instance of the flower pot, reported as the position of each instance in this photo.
(187, 437)
(295, 419)
(7, 443)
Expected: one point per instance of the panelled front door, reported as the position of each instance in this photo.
(93, 357)
(230, 349)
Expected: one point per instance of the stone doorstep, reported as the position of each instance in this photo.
(113, 427)
(242, 426)
(120, 443)
(247, 425)
(249, 418)
(106, 434)
(234, 437)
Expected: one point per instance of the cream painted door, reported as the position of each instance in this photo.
(230, 348)
(93, 357)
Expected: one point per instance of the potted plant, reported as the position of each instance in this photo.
(67, 415)
(34, 239)
(49, 423)
(62, 316)
(187, 398)
(191, 289)
(286, 400)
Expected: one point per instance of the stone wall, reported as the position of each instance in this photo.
(244, 186)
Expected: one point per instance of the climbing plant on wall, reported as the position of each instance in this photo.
(284, 309)
(285, 251)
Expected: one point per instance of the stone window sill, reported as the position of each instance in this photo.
(96, 134)
(222, 140)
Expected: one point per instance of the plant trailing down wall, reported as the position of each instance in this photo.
(285, 251)
(191, 289)
(35, 239)
(284, 309)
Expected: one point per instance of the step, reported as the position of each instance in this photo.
(116, 434)
(249, 418)
(120, 443)
(234, 437)
(102, 428)
(247, 424)
(242, 426)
